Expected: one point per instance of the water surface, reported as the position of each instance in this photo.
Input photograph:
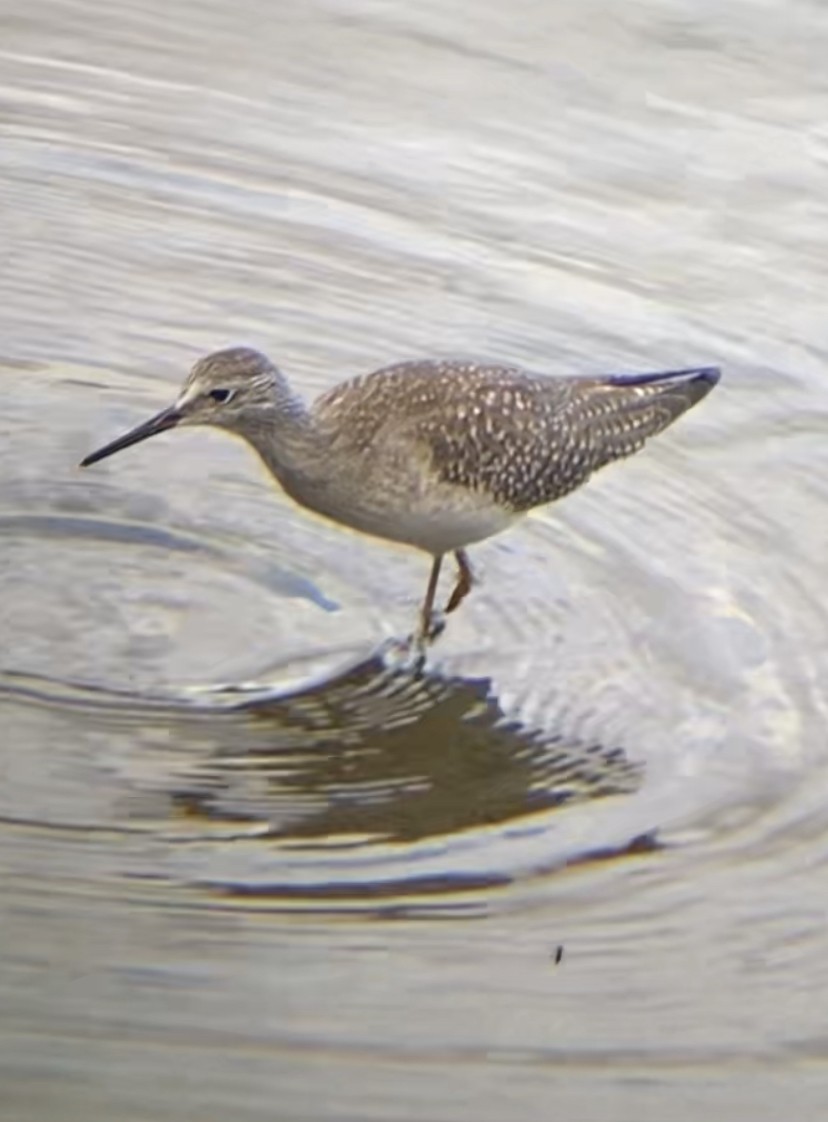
(252, 861)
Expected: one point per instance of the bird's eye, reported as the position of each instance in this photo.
(220, 396)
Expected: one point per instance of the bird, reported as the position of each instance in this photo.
(434, 454)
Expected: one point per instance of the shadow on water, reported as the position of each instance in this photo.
(389, 753)
(402, 755)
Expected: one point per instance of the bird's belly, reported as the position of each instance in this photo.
(436, 529)
(443, 531)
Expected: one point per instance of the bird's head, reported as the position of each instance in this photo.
(222, 389)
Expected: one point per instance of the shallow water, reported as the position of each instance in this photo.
(254, 863)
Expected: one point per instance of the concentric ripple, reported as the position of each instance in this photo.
(214, 682)
(221, 686)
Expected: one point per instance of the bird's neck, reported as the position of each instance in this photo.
(284, 436)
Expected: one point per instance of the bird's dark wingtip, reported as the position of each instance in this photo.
(708, 374)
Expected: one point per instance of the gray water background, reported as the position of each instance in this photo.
(345, 902)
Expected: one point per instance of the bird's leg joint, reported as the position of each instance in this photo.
(465, 581)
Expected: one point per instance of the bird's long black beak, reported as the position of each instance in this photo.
(167, 419)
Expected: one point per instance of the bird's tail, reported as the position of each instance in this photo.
(621, 411)
(700, 380)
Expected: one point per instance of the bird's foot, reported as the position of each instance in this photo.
(410, 654)
(435, 627)
(427, 633)
(403, 655)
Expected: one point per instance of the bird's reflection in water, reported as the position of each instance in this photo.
(399, 754)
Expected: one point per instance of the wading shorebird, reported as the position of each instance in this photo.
(435, 455)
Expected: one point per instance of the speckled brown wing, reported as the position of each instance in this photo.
(528, 440)
(419, 397)
(520, 438)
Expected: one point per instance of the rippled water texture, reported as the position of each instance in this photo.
(256, 863)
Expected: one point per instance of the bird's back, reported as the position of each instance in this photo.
(519, 438)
